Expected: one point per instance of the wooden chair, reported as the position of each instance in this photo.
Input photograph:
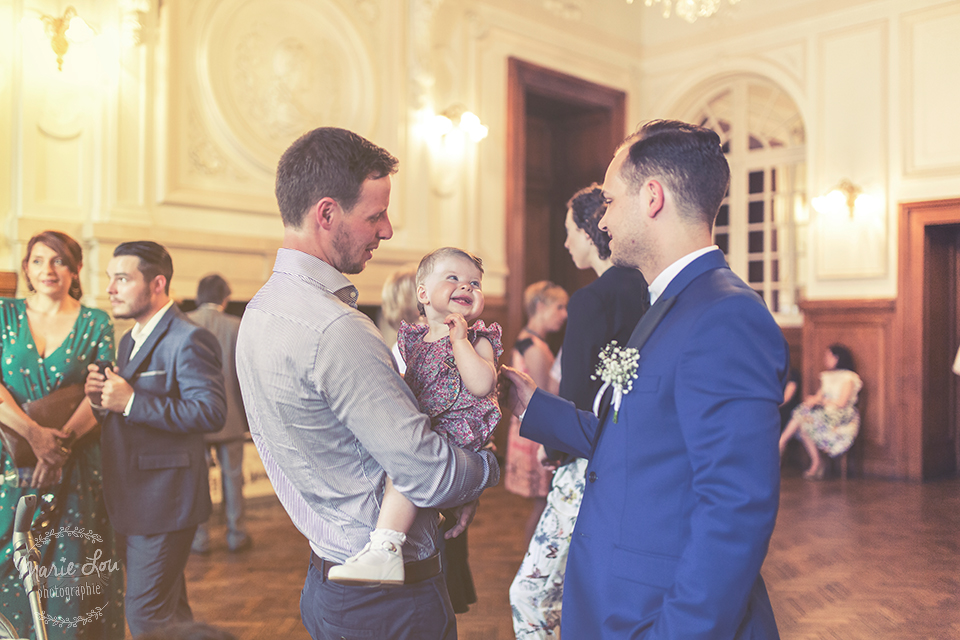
(852, 451)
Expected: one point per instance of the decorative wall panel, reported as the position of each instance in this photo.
(853, 145)
(931, 76)
(246, 78)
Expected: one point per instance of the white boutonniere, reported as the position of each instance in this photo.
(618, 369)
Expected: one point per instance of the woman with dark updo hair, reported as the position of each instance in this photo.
(608, 308)
(828, 421)
(46, 342)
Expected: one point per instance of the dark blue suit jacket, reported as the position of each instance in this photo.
(683, 489)
(154, 460)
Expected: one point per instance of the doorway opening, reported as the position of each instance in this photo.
(562, 132)
(941, 302)
(929, 311)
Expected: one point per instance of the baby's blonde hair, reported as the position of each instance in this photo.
(399, 297)
(429, 263)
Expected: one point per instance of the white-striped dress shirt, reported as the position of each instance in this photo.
(331, 417)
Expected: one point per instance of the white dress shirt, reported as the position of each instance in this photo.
(139, 335)
(660, 283)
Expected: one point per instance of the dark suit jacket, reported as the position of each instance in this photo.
(606, 309)
(225, 327)
(154, 462)
(682, 491)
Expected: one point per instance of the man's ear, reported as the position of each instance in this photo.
(653, 194)
(158, 285)
(324, 212)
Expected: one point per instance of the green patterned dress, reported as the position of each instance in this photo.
(71, 524)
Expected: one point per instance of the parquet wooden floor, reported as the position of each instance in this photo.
(849, 560)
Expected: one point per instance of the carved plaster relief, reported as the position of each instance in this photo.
(369, 10)
(564, 9)
(252, 76)
(62, 112)
(422, 13)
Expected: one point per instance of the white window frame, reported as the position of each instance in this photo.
(789, 202)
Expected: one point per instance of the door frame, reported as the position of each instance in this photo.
(908, 398)
(523, 78)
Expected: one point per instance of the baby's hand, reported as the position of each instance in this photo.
(457, 325)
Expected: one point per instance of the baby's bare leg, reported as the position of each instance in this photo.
(396, 513)
(381, 561)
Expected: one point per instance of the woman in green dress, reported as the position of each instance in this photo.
(46, 342)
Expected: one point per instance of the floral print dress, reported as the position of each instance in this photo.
(464, 419)
(833, 429)
(71, 523)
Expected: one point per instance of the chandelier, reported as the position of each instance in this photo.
(689, 10)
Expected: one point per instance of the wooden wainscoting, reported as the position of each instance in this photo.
(794, 337)
(8, 284)
(866, 328)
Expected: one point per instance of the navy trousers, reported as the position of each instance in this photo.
(420, 611)
(156, 587)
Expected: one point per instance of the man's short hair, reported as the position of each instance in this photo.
(212, 288)
(543, 292)
(588, 207)
(688, 160)
(327, 163)
(154, 259)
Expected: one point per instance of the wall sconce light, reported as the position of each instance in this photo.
(845, 194)
(64, 30)
(458, 117)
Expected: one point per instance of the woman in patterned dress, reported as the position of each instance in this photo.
(828, 421)
(606, 309)
(47, 341)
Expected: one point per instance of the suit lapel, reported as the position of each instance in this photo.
(143, 353)
(651, 319)
(640, 334)
(707, 262)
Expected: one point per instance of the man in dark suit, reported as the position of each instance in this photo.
(166, 393)
(213, 292)
(683, 480)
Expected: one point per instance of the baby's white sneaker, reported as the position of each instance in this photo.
(379, 562)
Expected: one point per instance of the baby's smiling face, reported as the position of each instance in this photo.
(454, 286)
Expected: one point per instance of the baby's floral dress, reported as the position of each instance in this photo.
(464, 419)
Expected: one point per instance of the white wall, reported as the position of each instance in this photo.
(877, 84)
(176, 139)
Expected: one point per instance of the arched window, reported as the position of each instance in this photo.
(760, 224)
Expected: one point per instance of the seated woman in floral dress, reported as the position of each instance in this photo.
(828, 421)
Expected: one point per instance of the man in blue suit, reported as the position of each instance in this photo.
(166, 392)
(683, 480)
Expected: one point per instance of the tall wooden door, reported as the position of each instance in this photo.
(562, 134)
(925, 401)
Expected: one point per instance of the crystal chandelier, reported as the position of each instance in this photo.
(689, 10)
